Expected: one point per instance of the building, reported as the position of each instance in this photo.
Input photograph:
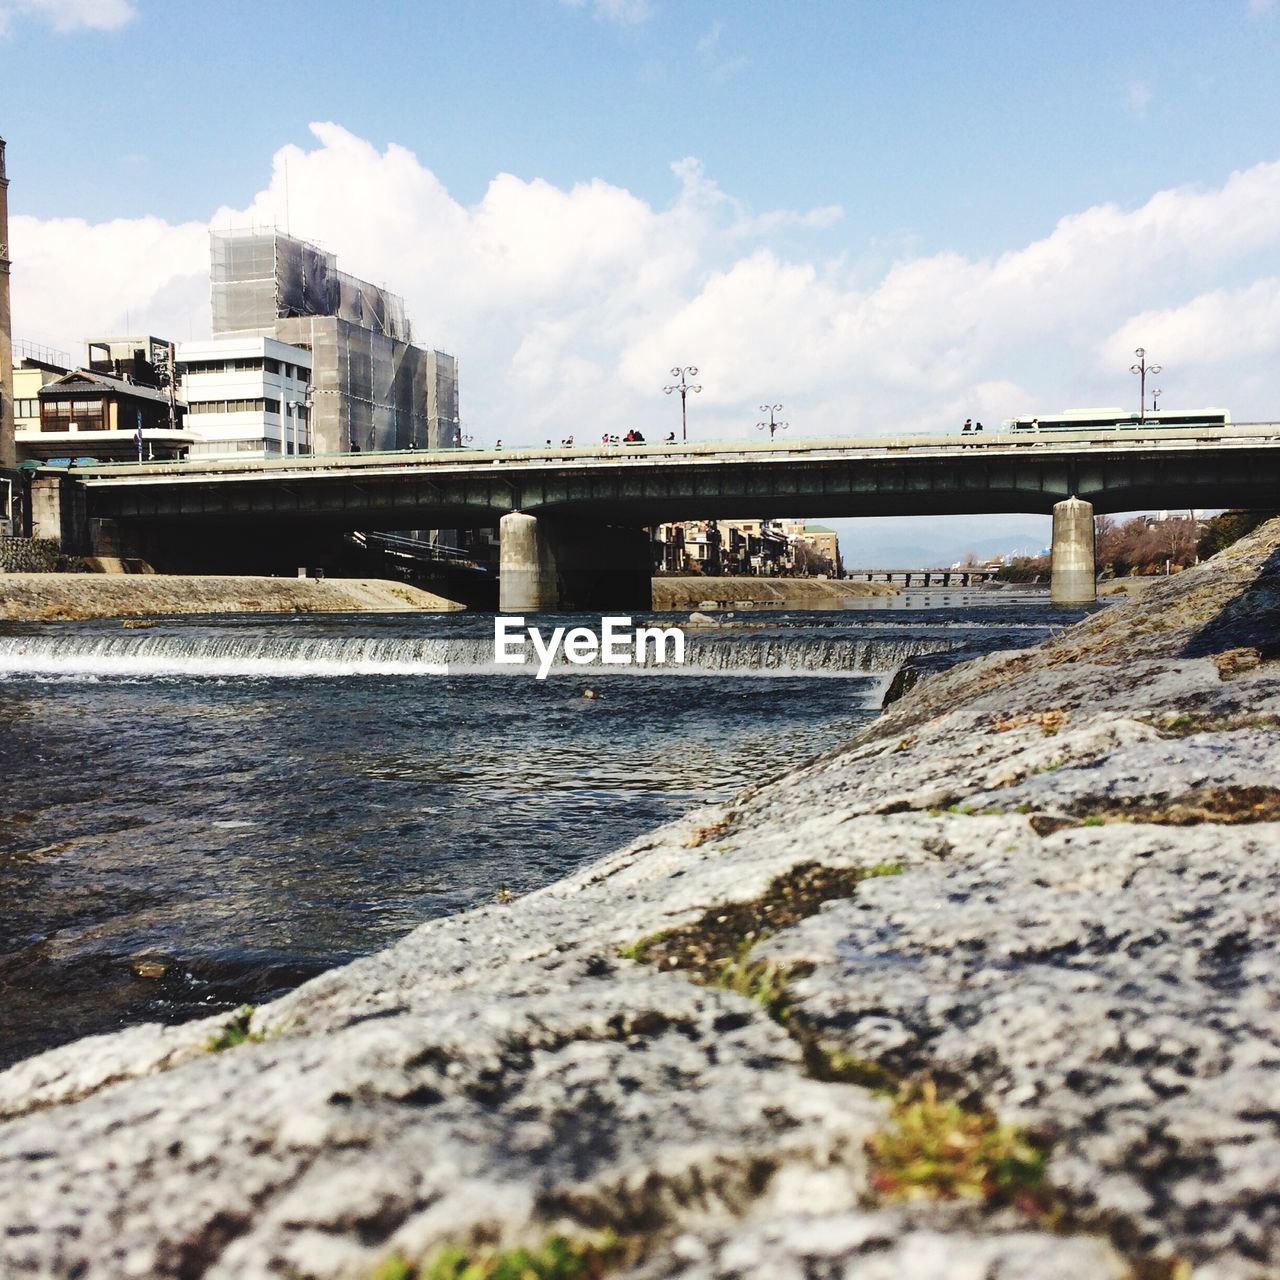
(246, 397)
(815, 548)
(84, 413)
(34, 367)
(139, 359)
(8, 458)
(372, 388)
(746, 548)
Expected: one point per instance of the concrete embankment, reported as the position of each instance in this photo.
(762, 593)
(43, 597)
(989, 991)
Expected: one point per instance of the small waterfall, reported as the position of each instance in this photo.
(135, 657)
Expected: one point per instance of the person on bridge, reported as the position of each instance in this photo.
(978, 426)
(968, 426)
(671, 438)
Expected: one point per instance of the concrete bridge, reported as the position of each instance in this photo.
(571, 520)
(965, 576)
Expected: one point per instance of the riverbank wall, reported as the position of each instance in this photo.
(47, 597)
(988, 991)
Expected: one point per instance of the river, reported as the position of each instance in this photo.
(205, 812)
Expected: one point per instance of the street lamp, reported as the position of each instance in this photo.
(772, 425)
(1155, 399)
(683, 387)
(1142, 368)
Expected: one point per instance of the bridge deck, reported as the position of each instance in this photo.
(830, 449)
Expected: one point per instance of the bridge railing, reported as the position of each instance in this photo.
(707, 451)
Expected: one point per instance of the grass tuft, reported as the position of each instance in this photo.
(939, 1150)
(762, 981)
(557, 1258)
(236, 1032)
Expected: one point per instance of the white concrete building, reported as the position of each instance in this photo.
(246, 397)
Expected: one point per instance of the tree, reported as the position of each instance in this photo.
(1230, 527)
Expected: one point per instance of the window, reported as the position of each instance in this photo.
(228, 406)
(239, 363)
(272, 366)
(272, 406)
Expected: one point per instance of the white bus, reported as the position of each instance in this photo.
(1118, 420)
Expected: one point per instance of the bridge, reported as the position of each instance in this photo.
(963, 575)
(571, 521)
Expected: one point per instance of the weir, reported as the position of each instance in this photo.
(223, 656)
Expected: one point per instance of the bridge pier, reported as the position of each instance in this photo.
(58, 512)
(551, 564)
(1073, 570)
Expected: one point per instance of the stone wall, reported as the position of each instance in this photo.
(989, 991)
(36, 555)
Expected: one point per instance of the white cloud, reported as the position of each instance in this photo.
(626, 13)
(568, 306)
(1138, 99)
(69, 15)
(720, 65)
(1220, 327)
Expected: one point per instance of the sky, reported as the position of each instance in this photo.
(885, 216)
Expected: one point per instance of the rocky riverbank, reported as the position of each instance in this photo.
(48, 597)
(762, 593)
(989, 992)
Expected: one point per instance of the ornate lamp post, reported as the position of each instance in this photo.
(683, 387)
(1142, 368)
(773, 424)
(1156, 393)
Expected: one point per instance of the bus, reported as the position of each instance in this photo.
(1118, 420)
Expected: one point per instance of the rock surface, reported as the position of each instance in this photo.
(44, 597)
(1082, 936)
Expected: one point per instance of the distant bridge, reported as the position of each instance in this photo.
(570, 519)
(964, 576)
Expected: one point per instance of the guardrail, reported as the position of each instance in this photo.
(711, 451)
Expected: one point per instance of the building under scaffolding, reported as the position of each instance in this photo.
(372, 388)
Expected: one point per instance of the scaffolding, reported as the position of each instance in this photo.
(259, 277)
(372, 389)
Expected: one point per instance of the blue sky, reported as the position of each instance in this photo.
(943, 125)
(885, 215)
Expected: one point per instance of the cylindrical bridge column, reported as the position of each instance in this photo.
(547, 564)
(1072, 579)
(527, 580)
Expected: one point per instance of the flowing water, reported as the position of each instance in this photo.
(203, 812)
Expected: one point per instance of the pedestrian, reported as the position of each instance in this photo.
(978, 427)
(497, 445)
(968, 426)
